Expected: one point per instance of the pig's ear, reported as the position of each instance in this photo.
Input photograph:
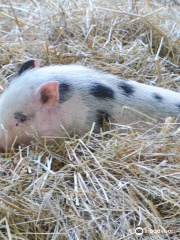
(48, 94)
(28, 65)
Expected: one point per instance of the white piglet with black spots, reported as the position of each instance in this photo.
(45, 101)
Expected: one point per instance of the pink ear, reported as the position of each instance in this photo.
(36, 63)
(48, 94)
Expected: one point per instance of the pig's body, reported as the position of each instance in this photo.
(40, 101)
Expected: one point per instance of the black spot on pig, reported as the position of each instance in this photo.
(101, 118)
(178, 105)
(20, 116)
(127, 89)
(157, 97)
(65, 92)
(102, 92)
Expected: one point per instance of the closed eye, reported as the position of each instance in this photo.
(20, 116)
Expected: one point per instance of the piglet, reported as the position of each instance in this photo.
(45, 101)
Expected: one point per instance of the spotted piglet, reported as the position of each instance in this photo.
(45, 101)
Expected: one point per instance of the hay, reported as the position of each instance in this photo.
(97, 186)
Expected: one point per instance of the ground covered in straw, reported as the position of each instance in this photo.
(94, 186)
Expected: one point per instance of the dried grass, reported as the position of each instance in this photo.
(98, 186)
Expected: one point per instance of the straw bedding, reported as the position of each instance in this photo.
(95, 186)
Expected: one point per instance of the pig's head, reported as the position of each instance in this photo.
(26, 108)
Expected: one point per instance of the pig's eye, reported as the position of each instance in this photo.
(20, 116)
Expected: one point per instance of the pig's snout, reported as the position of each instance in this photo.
(6, 140)
(2, 139)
